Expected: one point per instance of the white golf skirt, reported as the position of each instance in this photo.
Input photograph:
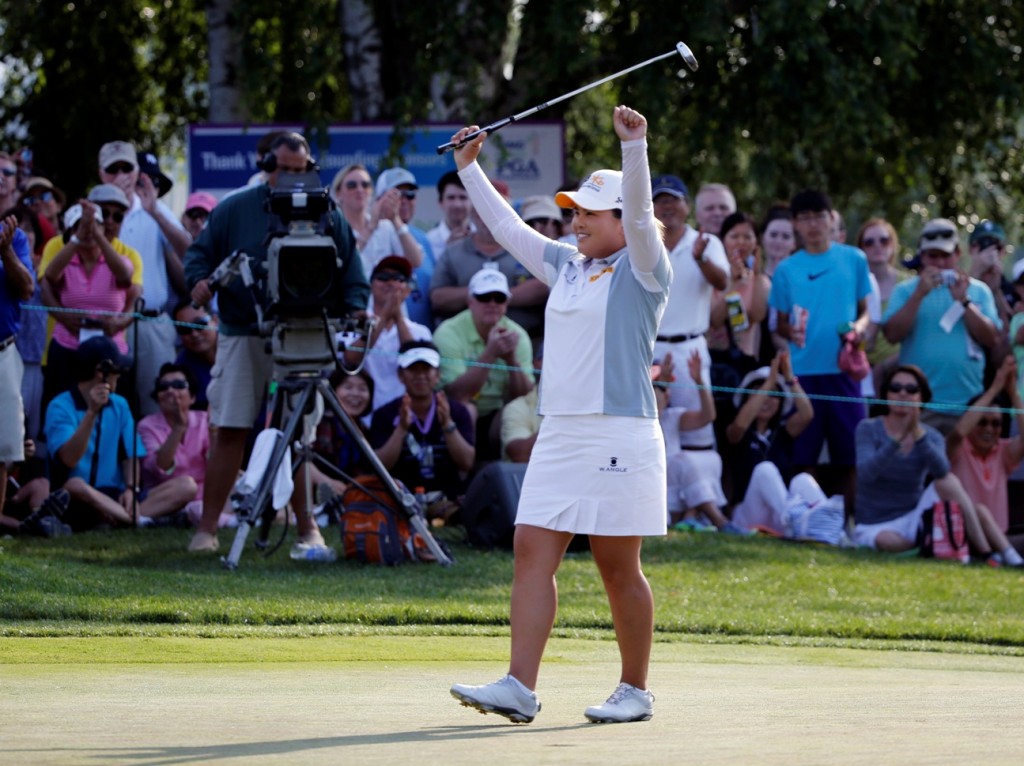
(596, 475)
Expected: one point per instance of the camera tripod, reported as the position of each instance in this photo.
(295, 397)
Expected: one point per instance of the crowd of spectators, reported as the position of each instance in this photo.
(108, 320)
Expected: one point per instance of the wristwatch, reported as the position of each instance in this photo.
(966, 302)
(449, 428)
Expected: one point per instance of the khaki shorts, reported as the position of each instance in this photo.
(12, 415)
(238, 381)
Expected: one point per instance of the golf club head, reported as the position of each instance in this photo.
(687, 54)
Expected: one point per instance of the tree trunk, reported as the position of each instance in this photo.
(227, 103)
(362, 46)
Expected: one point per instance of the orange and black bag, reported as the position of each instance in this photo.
(373, 528)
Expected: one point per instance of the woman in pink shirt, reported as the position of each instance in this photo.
(177, 440)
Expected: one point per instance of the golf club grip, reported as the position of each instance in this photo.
(488, 129)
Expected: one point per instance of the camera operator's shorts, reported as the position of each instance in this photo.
(238, 381)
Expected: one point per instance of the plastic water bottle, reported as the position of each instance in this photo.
(305, 552)
(420, 495)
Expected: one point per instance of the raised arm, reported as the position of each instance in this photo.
(638, 222)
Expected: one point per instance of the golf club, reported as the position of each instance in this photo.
(680, 50)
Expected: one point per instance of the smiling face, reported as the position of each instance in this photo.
(877, 245)
(420, 379)
(671, 210)
(454, 205)
(986, 432)
(778, 242)
(599, 233)
(353, 395)
(713, 206)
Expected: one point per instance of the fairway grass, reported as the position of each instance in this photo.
(384, 700)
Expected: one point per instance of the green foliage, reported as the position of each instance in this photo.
(714, 586)
(86, 72)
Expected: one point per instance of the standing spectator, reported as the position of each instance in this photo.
(177, 440)
(417, 305)
(987, 246)
(699, 267)
(778, 239)
(943, 321)
(244, 368)
(152, 230)
(880, 243)
(745, 304)
(714, 202)
(390, 285)
(198, 207)
(820, 292)
(88, 272)
(485, 356)
(480, 250)
(31, 337)
(16, 285)
(197, 329)
(838, 227)
(422, 438)
(46, 202)
(542, 214)
(8, 182)
(983, 460)
(455, 223)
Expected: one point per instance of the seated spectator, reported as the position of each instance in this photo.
(485, 357)
(197, 329)
(987, 246)
(896, 454)
(198, 207)
(694, 473)
(422, 438)
(945, 340)
(89, 271)
(763, 433)
(30, 507)
(88, 428)
(177, 440)
(520, 418)
(982, 460)
(390, 285)
(333, 441)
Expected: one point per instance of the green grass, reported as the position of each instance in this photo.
(709, 587)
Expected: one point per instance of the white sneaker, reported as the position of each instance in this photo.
(626, 704)
(506, 696)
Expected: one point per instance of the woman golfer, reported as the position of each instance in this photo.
(598, 467)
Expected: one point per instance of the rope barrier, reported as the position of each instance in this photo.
(937, 406)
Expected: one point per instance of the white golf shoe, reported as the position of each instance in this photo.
(626, 704)
(506, 697)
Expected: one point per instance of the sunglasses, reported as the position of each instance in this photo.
(990, 423)
(900, 388)
(357, 184)
(408, 193)
(544, 221)
(120, 168)
(872, 241)
(389, 276)
(942, 234)
(986, 242)
(44, 197)
(186, 330)
(492, 298)
(9, 172)
(197, 214)
(177, 385)
(115, 214)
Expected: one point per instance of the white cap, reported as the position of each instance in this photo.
(74, 213)
(392, 178)
(489, 281)
(602, 190)
(539, 206)
(419, 354)
(753, 380)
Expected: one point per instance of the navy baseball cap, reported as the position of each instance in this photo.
(669, 185)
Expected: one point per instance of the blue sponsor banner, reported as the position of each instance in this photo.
(528, 156)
